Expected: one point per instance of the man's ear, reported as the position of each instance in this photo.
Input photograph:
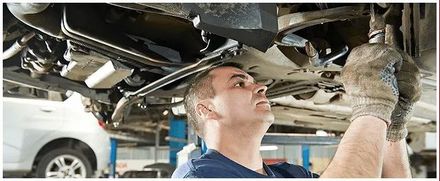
(206, 110)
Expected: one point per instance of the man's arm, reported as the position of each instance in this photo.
(361, 150)
(371, 86)
(396, 164)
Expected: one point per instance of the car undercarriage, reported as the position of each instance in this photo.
(134, 61)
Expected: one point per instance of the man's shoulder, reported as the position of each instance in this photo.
(288, 170)
(203, 168)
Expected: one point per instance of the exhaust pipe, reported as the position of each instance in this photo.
(18, 46)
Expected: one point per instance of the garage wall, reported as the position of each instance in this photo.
(135, 158)
(131, 153)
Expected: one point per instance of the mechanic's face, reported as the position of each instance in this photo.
(239, 100)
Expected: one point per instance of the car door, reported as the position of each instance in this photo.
(28, 116)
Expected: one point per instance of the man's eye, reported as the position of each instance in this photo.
(239, 84)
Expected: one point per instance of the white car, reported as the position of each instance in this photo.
(47, 138)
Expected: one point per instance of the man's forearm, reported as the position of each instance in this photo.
(361, 151)
(396, 164)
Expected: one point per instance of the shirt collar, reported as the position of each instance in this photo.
(269, 171)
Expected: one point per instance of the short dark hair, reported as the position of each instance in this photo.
(200, 87)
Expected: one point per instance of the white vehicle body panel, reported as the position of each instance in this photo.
(29, 124)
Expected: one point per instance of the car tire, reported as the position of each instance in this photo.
(64, 163)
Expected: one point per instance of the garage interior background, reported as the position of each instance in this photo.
(131, 63)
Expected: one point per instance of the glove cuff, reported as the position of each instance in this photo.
(396, 132)
(366, 106)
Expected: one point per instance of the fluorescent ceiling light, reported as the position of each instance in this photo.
(321, 133)
(268, 148)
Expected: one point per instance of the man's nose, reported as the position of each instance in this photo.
(260, 89)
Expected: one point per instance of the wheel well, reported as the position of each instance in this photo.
(67, 143)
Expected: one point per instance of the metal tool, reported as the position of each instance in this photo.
(377, 27)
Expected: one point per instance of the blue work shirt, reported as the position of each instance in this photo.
(213, 164)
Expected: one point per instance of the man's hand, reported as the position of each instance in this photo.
(408, 81)
(370, 82)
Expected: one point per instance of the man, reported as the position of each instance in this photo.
(230, 111)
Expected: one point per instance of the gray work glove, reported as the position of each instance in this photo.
(408, 80)
(370, 82)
